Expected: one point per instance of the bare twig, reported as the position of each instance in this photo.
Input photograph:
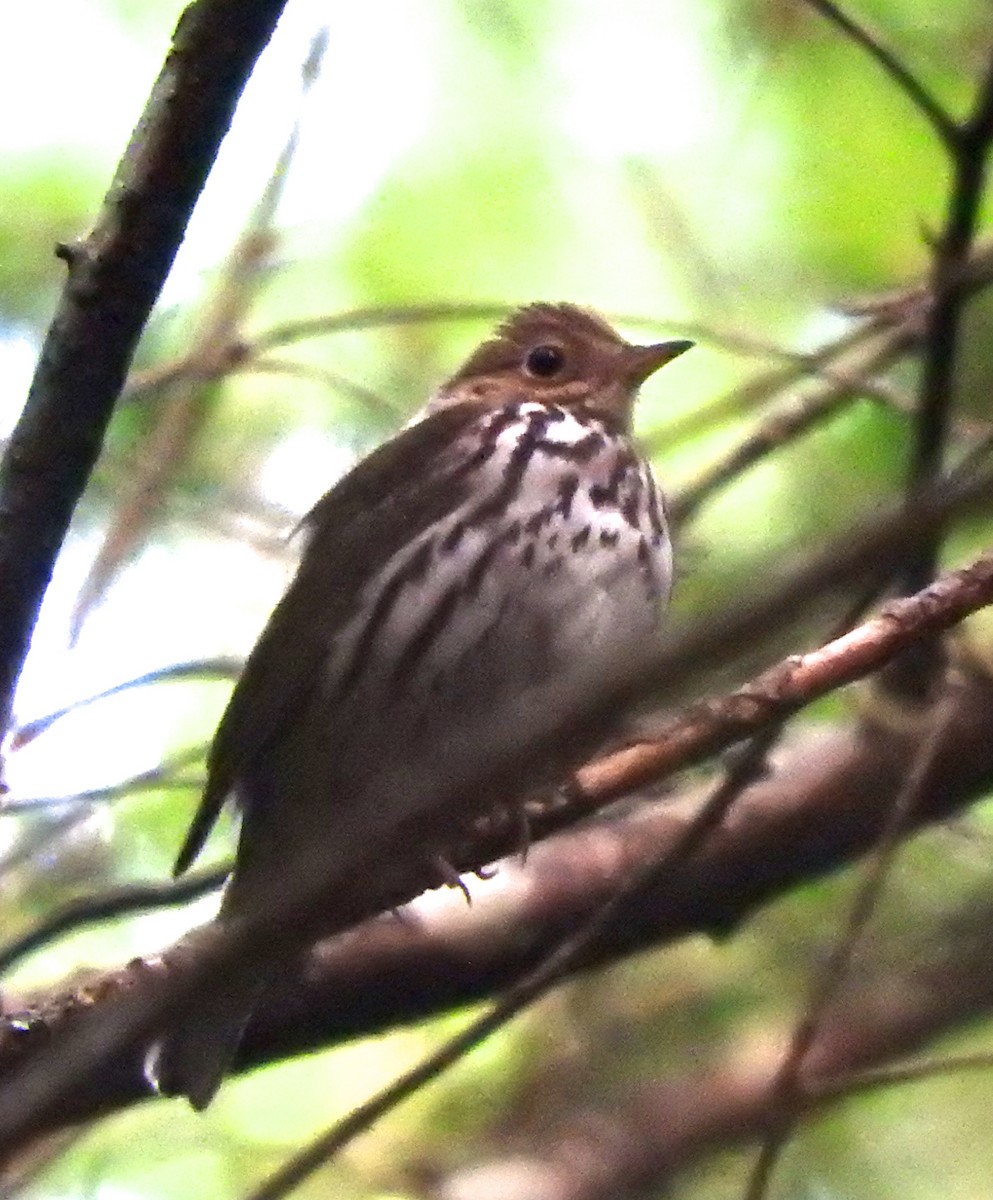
(202, 668)
(843, 381)
(382, 409)
(872, 1080)
(115, 275)
(162, 775)
(374, 317)
(115, 902)
(787, 1086)
(898, 71)
(839, 372)
(970, 163)
(672, 232)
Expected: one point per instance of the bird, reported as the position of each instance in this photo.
(509, 547)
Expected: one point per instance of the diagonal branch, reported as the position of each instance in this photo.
(821, 807)
(115, 275)
(821, 398)
(337, 886)
(898, 71)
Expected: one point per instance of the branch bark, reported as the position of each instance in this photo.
(823, 805)
(115, 275)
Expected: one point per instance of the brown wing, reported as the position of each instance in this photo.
(399, 490)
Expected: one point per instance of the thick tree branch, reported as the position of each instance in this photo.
(823, 804)
(115, 275)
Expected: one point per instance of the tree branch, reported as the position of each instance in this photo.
(825, 805)
(638, 1144)
(970, 150)
(115, 275)
(898, 71)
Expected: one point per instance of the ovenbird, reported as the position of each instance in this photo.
(509, 538)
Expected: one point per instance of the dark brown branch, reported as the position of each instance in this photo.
(970, 151)
(898, 71)
(970, 163)
(116, 902)
(115, 276)
(349, 873)
(822, 806)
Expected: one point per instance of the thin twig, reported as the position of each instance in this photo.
(907, 307)
(382, 409)
(201, 669)
(115, 902)
(162, 775)
(856, 1082)
(147, 781)
(840, 382)
(373, 317)
(787, 1088)
(908, 83)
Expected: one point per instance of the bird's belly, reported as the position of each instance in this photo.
(562, 609)
(505, 621)
(562, 602)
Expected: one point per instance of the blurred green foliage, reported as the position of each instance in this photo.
(735, 163)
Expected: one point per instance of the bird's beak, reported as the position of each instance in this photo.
(642, 361)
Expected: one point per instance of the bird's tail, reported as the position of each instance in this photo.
(193, 1057)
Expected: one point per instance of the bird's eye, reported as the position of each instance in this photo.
(544, 361)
